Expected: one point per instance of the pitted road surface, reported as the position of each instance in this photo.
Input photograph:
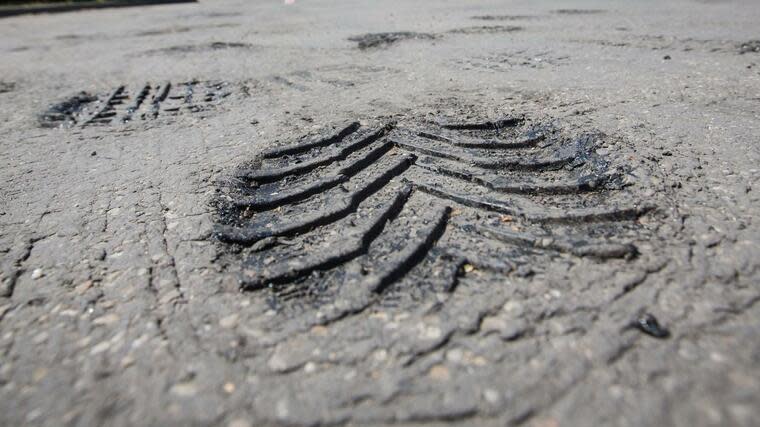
(121, 300)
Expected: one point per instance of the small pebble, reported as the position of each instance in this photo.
(184, 389)
(439, 373)
(648, 324)
(491, 396)
(108, 319)
(229, 321)
(229, 388)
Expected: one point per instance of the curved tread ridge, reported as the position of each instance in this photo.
(412, 254)
(271, 175)
(322, 141)
(530, 140)
(250, 235)
(330, 256)
(566, 156)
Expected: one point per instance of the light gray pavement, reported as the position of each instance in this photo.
(117, 309)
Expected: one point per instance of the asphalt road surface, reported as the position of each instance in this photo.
(308, 213)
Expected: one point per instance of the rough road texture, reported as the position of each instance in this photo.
(121, 281)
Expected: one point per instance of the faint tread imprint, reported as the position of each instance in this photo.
(126, 104)
(366, 205)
